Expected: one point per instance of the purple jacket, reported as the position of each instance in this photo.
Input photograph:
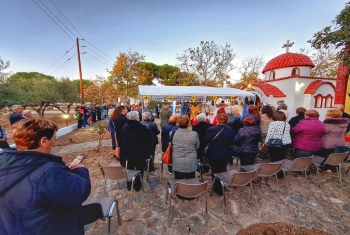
(335, 132)
(308, 134)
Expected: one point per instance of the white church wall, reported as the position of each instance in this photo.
(286, 72)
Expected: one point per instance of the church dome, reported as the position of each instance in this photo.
(288, 60)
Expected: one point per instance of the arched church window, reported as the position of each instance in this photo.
(272, 75)
(318, 101)
(328, 101)
(295, 72)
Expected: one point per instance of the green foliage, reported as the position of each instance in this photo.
(210, 63)
(337, 35)
(38, 91)
(4, 75)
(30, 75)
(168, 75)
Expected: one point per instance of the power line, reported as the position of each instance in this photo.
(67, 18)
(60, 58)
(97, 49)
(53, 20)
(78, 31)
(64, 63)
(98, 59)
(57, 18)
(95, 53)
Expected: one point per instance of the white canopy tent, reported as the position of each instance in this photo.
(179, 92)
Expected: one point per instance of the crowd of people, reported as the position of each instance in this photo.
(87, 114)
(40, 189)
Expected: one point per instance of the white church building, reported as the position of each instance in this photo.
(287, 78)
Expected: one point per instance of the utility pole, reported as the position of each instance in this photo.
(81, 75)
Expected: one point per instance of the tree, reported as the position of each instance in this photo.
(210, 62)
(337, 35)
(250, 71)
(68, 92)
(4, 66)
(325, 60)
(168, 75)
(128, 72)
(35, 90)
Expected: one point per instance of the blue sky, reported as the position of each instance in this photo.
(158, 29)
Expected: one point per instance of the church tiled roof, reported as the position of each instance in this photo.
(312, 87)
(268, 89)
(288, 60)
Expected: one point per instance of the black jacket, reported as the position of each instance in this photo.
(153, 128)
(235, 123)
(219, 148)
(249, 137)
(119, 122)
(345, 115)
(295, 120)
(201, 129)
(39, 194)
(137, 142)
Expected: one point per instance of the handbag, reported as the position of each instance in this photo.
(275, 142)
(205, 150)
(167, 156)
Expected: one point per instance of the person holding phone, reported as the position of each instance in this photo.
(38, 188)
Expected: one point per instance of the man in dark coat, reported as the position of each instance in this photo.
(119, 122)
(39, 194)
(137, 142)
(17, 114)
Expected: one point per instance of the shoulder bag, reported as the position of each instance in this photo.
(205, 150)
(167, 156)
(275, 142)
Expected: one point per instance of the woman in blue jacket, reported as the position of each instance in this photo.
(248, 138)
(220, 138)
(39, 194)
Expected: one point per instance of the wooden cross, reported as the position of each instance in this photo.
(287, 45)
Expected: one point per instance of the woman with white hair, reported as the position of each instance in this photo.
(137, 142)
(234, 119)
(153, 128)
(201, 128)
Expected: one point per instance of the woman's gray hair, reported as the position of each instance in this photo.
(228, 110)
(146, 116)
(283, 106)
(133, 115)
(236, 111)
(201, 117)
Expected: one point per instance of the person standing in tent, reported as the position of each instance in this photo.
(158, 110)
(194, 111)
(185, 110)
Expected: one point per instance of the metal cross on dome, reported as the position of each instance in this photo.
(287, 45)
